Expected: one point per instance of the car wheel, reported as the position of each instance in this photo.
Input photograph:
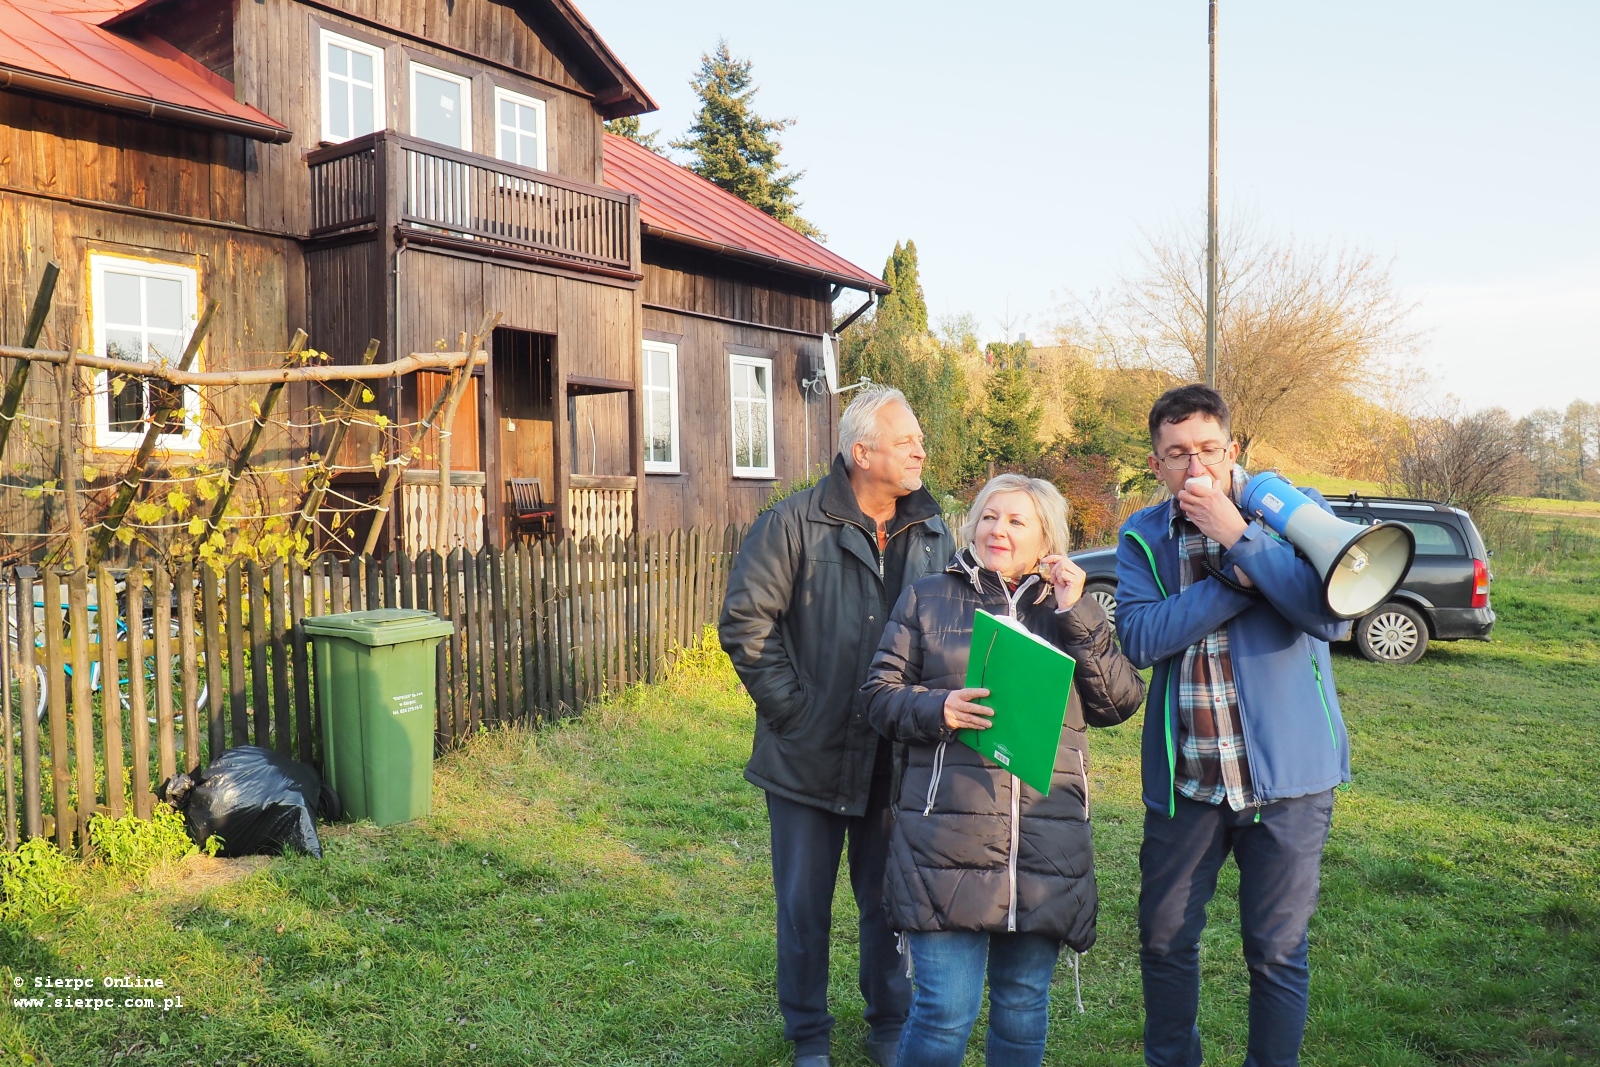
(1395, 633)
(1104, 594)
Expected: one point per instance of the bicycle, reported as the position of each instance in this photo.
(147, 630)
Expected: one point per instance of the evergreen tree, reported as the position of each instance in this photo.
(630, 127)
(1008, 430)
(733, 147)
(905, 306)
(894, 347)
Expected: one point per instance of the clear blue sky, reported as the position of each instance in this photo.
(1026, 147)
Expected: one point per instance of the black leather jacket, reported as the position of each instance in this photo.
(803, 614)
(974, 848)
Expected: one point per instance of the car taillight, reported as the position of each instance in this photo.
(1480, 584)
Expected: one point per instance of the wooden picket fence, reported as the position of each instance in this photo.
(117, 679)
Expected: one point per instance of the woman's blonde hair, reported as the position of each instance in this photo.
(1047, 501)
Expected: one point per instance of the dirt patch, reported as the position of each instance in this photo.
(196, 874)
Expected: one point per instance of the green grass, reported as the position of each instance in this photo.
(1583, 508)
(598, 892)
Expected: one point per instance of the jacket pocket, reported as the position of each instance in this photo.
(781, 718)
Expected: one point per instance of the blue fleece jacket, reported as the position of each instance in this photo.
(1294, 735)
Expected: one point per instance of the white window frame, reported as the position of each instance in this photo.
(502, 93)
(104, 436)
(655, 466)
(379, 94)
(736, 359)
(415, 68)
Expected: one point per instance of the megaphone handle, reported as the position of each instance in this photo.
(1212, 570)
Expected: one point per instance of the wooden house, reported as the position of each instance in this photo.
(394, 169)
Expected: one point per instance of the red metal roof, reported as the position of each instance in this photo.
(677, 204)
(59, 48)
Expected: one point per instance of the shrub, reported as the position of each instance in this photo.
(136, 845)
(35, 879)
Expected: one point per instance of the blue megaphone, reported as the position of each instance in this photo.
(1361, 566)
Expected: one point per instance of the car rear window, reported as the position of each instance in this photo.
(1436, 539)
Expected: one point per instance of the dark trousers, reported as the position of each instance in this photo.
(806, 843)
(1280, 862)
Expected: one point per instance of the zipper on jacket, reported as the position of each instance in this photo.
(1083, 772)
(1016, 818)
(933, 782)
(1316, 668)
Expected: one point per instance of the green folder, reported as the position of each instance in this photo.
(1029, 682)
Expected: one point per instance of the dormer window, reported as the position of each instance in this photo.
(441, 107)
(520, 129)
(352, 87)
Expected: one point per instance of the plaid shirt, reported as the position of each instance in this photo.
(1211, 763)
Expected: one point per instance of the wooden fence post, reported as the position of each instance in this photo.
(28, 677)
(110, 704)
(82, 700)
(9, 768)
(138, 713)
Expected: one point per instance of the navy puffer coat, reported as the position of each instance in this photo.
(973, 847)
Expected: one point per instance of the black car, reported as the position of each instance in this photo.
(1444, 596)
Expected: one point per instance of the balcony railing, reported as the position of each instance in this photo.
(438, 194)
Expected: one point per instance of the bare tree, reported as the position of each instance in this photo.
(1470, 461)
(1298, 325)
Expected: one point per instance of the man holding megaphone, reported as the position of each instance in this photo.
(1243, 740)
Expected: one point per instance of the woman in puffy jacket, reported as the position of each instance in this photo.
(984, 872)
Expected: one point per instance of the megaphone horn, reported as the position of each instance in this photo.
(1361, 566)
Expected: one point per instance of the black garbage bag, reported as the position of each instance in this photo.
(257, 801)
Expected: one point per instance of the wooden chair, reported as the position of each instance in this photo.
(530, 512)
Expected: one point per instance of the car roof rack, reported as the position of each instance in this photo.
(1415, 502)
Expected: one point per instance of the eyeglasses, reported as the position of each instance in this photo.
(1208, 457)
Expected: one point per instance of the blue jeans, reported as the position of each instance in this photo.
(1280, 866)
(948, 975)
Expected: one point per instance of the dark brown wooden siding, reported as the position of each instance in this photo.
(686, 279)
(258, 280)
(64, 150)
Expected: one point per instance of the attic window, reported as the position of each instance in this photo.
(352, 88)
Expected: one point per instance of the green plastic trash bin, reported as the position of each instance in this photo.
(375, 686)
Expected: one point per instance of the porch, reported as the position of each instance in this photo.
(411, 238)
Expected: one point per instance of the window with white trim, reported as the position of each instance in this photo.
(352, 87)
(750, 380)
(660, 407)
(143, 311)
(519, 129)
(441, 107)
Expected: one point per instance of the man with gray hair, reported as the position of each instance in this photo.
(807, 601)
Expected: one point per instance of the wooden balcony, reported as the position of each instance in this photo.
(434, 195)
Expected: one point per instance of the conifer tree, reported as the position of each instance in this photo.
(894, 347)
(630, 127)
(906, 307)
(734, 147)
(1008, 430)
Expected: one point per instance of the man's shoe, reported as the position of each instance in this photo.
(884, 1053)
(820, 1059)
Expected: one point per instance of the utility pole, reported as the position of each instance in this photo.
(1211, 217)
